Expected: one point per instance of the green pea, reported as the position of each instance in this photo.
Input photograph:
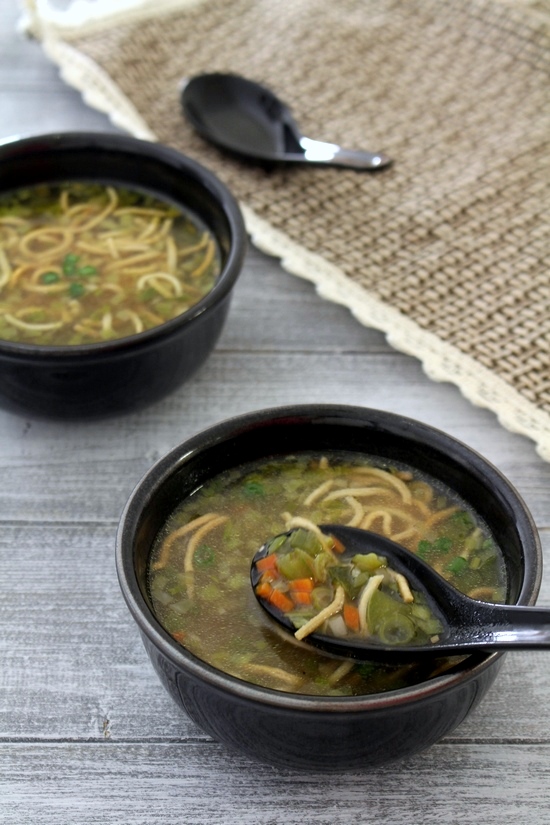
(443, 544)
(76, 290)
(425, 548)
(50, 278)
(366, 669)
(253, 489)
(87, 271)
(69, 263)
(457, 566)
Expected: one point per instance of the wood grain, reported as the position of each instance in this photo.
(201, 783)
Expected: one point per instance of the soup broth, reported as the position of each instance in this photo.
(82, 263)
(199, 569)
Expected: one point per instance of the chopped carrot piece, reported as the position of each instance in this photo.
(267, 563)
(351, 616)
(264, 590)
(300, 597)
(305, 585)
(337, 545)
(179, 636)
(269, 575)
(281, 601)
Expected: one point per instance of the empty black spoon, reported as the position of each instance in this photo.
(468, 625)
(248, 119)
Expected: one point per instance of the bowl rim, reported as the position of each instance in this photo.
(465, 671)
(54, 143)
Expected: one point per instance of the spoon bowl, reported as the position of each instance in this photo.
(248, 119)
(468, 624)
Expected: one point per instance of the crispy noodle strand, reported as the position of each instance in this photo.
(335, 606)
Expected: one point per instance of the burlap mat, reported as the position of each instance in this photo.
(446, 250)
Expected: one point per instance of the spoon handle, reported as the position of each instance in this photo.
(356, 159)
(506, 627)
(316, 151)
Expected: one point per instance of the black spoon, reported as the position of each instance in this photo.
(248, 119)
(469, 625)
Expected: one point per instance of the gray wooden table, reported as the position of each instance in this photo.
(87, 734)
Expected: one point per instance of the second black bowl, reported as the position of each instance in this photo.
(116, 376)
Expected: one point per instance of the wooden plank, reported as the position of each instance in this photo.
(60, 471)
(33, 98)
(73, 665)
(203, 783)
(273, 309)
(56, 113)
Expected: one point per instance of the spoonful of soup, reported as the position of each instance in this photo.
(355, 593)
(247, 118)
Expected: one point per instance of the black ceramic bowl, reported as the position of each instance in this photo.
(307, 732)
(116, 376)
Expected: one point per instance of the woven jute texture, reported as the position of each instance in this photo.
(454, 236)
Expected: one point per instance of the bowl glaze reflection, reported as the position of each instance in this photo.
(105, 378)
(307, 732)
